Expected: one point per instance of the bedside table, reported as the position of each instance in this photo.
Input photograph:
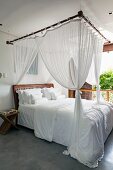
(9, 118)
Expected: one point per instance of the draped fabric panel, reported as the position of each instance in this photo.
(59, 50)
(94, 72)
(67, 53)
(77, 147)
(24, 53)
(97, 64)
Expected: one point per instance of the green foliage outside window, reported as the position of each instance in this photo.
(106, 80)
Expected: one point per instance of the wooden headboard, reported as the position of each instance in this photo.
(26, 86)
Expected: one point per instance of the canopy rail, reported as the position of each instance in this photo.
(80, 15)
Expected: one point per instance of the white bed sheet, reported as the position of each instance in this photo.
(26, 115)
(63, 118)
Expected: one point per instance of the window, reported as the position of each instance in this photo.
(34, 67)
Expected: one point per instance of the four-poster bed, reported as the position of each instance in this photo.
(52, 120)
(71, 50)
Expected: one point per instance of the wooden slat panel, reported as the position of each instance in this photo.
(108, 47)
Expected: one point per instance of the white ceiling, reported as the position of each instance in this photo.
(101, 9)
(20, 17)
(24, 16)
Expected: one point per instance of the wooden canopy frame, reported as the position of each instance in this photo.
(79, 15)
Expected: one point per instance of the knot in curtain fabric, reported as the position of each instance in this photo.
(68, 52)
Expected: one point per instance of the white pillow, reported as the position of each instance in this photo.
(56, 96)
(35, 97)
(47, 92)
(24, 94)
(60, 97)
(20, 96)
(26, 97)
(56, 90)
(33, 91)
(40, 101)
(30, 98)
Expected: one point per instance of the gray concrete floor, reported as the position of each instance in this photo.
(21, 150)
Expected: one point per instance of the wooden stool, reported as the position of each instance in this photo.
(9, 118)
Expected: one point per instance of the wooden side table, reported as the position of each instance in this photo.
(9, 120)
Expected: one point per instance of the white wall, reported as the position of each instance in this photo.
(5, 67)
(6, 97)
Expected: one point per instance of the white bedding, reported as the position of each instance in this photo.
(62, 118)
(52, 120)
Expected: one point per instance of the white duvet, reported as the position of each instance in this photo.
(55, 117)
(52, 121)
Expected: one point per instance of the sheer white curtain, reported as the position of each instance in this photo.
(24, 53)
(60, 49)
(67, 53)
(94, 72)
(77, 147)
(97, 63)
